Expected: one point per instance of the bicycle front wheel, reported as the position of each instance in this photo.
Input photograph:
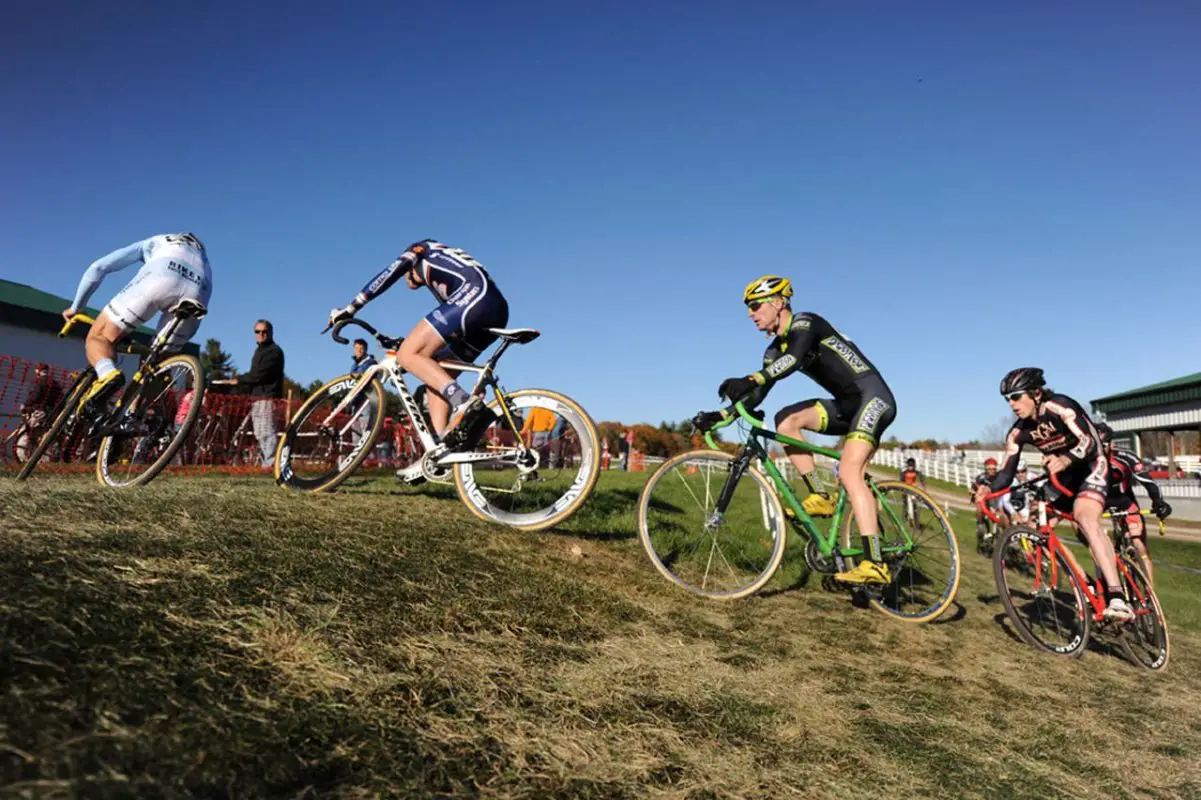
(922, 554)
(1040, 593)
(320, 449)
(548, 482)
(1145, 639)
(722, 556)
(65, 412)
(135, 456)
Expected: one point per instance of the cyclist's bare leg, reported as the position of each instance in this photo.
(416, 355)
(852, 472)
(1138, 536)
(1087, 512)
(793, 425)
(102, 338)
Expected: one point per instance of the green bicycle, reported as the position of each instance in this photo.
(713, 523)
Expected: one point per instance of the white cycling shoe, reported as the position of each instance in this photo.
(1118, 610)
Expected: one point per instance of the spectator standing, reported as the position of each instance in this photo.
(265, 381)
(42, 399)
(362, 359)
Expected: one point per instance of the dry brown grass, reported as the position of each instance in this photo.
(220, 637)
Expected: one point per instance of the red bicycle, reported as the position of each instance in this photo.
(1054, 604)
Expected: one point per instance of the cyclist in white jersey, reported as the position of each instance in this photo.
(175, 267)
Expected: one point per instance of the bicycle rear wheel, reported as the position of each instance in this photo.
(64, 412)
(150, 439)
(923, 557)
(320, 450)
(547, 483)
(1040, 593)
(1145, 639)
(722, 557)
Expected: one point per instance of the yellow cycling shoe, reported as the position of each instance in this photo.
(95, 400)
(817, 505)
(866, 572)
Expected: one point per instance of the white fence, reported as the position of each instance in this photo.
(961, 473)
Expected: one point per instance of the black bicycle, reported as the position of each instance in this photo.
(138, 435)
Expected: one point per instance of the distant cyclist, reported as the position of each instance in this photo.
(470, 304)
(1016, 504)
(862, 407)
(910, 474)
(1060, 427)
(1125, 471)
(986, 478)
(175, 267)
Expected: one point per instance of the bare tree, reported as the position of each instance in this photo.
(994, 435)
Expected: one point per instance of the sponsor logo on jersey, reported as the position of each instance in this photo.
(1044, 435)
(872, 412)
(780, 366)
(183, 271)
(847, 354)
(466, 298)
(438, 315)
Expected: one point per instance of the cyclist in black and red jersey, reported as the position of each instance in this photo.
(1125, 470)
(911, 475)
(1061, 429)
(986, 478)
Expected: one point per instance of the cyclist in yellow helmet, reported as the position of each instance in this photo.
(861, 409)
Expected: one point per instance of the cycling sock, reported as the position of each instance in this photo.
(1112, 594)
(453, 393)
(104, 368)
(814, 482)
(871, 548)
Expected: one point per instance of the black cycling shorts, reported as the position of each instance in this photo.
(1086, 479)
(860, 417)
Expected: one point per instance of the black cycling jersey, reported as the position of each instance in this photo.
(1020, 498)
(863, 405)
(1060, 426)
(1126, 469)
(816, 348)
(982, 480)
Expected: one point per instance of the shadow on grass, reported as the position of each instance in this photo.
(947, 619)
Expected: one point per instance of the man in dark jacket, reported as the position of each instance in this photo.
(362, 359)
(265, 382)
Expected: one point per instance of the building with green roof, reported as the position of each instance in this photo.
(1173, 407)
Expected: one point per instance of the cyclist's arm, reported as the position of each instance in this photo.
(1140, 473)
(384, 280)
(1013, 449)
(113, 262)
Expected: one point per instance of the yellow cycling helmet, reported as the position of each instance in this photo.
(765, 287)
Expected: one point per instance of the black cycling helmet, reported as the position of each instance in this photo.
(1023, 379)
(909, 462)
(1105, 432)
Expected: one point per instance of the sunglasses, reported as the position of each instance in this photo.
(754, 306)
(1015, 395)
(260, 330)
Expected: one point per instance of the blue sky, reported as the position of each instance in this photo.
(960, 187)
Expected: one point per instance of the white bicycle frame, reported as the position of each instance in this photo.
(392, 374)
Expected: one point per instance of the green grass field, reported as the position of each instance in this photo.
(216, 636)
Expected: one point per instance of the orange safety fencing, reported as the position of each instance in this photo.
(224, 437)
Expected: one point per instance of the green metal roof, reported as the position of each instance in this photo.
(1184, 389)
(24, 296)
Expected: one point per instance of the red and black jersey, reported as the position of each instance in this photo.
(1125, 471)
(1060, 427)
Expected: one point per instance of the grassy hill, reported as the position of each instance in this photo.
(217, 636)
